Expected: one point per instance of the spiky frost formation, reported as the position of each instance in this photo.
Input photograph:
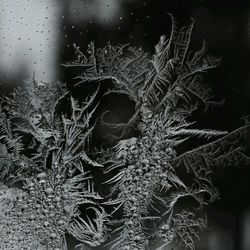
(33, 103)
(124, 64)
(52, 181)
(46, 209)
(185, 228)
(148, 172)
(150, 187)
(150, 175)
(27, 114)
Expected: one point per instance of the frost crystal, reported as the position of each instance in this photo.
(45, 151)
(150, 177)
(45, 183)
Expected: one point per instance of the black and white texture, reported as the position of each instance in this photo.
(73, 173)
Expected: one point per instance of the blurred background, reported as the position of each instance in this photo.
(37, 36)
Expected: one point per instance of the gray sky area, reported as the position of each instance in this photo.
(31, 30)
(29, 36)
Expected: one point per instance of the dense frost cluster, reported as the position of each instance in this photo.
(48, 159)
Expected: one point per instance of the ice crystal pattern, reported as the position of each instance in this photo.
(46, 192)
(147, 182)
(42, 171)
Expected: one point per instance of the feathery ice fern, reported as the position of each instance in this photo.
(45, 190)
(148, 183)
(44, 185)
